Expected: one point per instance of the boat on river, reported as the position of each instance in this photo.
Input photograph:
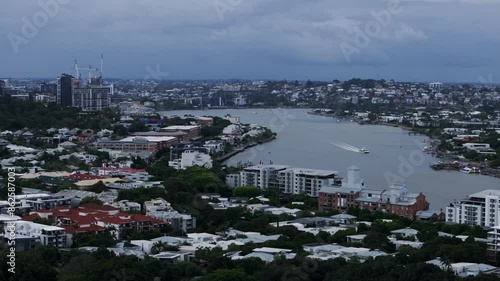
(364, 151)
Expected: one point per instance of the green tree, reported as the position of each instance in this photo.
(90, 199)
(247, 191)
(228, 275)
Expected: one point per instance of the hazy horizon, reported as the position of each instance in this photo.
(407, 40)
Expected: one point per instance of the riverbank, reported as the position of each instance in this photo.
(433, 143)
(241, 149)
(231, 108)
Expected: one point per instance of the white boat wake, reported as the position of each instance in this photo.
(346, 146)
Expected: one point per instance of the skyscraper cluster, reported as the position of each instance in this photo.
(89, 94)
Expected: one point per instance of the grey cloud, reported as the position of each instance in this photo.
(271, 37)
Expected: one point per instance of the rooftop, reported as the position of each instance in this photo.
(273, 166)
(313, 172)
(487, 192)
(149, 138)
(187, 127)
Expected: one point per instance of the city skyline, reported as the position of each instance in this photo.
(406, 40)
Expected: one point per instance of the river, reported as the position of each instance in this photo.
(309, 141)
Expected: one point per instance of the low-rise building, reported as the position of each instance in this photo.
(232, 119)
(191, 159)
(44, 234)
(161, 209)
(266, 254)
(138, 144)
(463, 269)
(333, 251)
(26, 203)
(127, 206)
(194, 132)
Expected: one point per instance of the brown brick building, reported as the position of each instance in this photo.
(194, 132)
(353, 193)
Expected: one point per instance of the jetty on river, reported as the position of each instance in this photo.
(455, 165)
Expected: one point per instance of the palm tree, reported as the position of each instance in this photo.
(446, 264)
(159, 247)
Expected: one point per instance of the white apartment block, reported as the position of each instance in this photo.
(233, 180)
(289, 180)
(37, 201)
(158, 204)
(436, 85)
(482, 208)
(233, 119)
(161, 209)
(308, 181)
(263, 176)
(494, 240)
(190, 159)
(44, 234)
(127, 206)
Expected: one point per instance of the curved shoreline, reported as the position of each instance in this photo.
(228, 156)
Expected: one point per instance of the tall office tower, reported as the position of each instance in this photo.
(65, 90)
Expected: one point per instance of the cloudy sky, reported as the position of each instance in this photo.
(411, 40)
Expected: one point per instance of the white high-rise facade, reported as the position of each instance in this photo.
(482, 208)
(305, 181)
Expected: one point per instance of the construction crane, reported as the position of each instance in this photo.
(102, 64)
(90, 69)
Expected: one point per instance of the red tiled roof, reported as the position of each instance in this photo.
(115, 220)
(31, 217)
(91, 228)
(158, 221)
(69, 229)
(76, 218)
(139, 217)
(123, 214)
(100, 215)
(44, 211)
(61, 208)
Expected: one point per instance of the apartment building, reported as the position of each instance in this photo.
(26, 203)
(308, 181)
(44, 234)
(96, 218)
(481, 208)
(263, 176)
(190, 159)
(289, 180)
(493, 245)
(127, 206)
(161, 209)
(233, 180)
(177, 149)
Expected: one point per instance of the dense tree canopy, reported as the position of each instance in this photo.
(17, 114)
(247, 191)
